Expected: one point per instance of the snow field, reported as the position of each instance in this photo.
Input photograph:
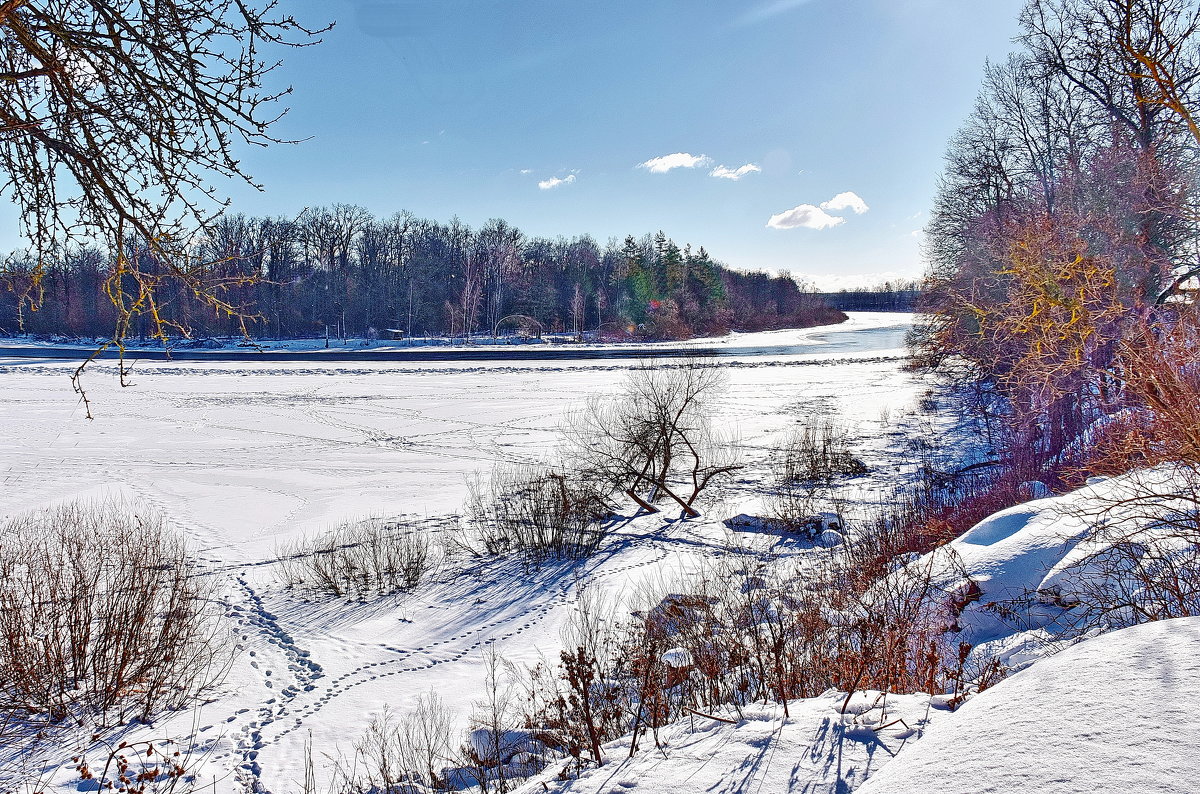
(244, 461)
(818, 747)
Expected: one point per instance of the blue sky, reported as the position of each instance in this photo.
(475, 108)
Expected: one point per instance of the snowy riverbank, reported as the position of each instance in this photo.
(246, 460)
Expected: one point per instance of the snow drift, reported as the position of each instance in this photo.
(1111, 714)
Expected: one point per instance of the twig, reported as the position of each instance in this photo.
(690, 710)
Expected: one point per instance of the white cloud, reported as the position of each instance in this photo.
(661, 165)
(721, 172)
(811, 217)
(553, 182)
(807, 216)
(846, 201)
(526, 170)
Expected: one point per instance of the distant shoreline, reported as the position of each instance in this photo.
(423, 349)
(415, 354)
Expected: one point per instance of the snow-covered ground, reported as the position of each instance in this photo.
(1117, 713)
(817, 748)
(1112, 715)
(244, 458)
(1081, 709)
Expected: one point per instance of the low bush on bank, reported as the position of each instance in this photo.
(103, 615)
(818, 450)
(538, 512)
(401, 753)
(805, 471)
(360, 559)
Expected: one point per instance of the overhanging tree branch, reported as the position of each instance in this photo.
(116, 120)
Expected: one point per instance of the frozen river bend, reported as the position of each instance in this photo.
(244, 458)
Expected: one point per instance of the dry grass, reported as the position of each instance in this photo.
(360, 559)
(537, 511)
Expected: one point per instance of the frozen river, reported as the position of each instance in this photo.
(864, 332)
(244, 453)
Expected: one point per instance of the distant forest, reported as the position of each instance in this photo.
(889, 296)
(339, 270)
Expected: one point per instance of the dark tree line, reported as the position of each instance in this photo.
(888, 296)
(342, 271)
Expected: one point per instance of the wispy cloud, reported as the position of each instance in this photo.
(768, 10)
(663, 164)
(722, 172)
(526, 170)
(806, 216)
(846, 201)
(553, 182)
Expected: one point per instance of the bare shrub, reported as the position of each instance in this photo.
(142, 767)
(404, 754)
(413, 753)
(101, 613)
(634, 675)
(805, 469)
(571, 707)
(890, 632)
(741, 631)
(359, 559)
(775, 634)
(818, 450)
(539, 511)
(498, 751)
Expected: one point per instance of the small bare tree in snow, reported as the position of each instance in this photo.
(655, 438)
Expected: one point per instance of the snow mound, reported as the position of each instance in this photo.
(824, 745)
(1111, 714)
(1000, 526)
(1012, 554)
(1014, 577)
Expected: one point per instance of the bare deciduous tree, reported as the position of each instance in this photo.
(654, 435)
